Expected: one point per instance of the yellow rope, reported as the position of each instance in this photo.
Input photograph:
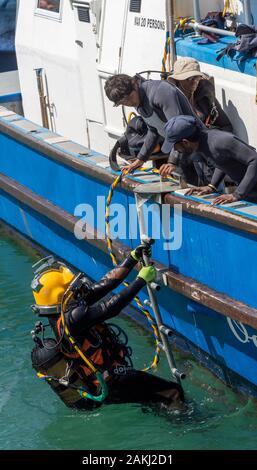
(181, 24)
(131, 115)
(227, 8)
(115, 262)
(70, 338)
(166, 52)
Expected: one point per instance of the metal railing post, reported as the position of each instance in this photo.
(197, 13)
(171, 26)
(222, 32)
(42, 97)
(247, 12)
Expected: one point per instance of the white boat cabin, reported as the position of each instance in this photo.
(76, 45)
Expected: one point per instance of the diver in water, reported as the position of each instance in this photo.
(88, 362)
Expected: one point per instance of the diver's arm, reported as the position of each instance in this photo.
(115, 277)
(81, 319)
(111, 280)
(117, 302)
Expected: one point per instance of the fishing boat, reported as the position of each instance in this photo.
(54, 166)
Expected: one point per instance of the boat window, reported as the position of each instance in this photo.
(49, 5)
(135, 6)
(49, 8)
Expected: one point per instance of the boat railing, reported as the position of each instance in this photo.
(200, 27)
(197, 26)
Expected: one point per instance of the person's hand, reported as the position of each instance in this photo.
(130, 168)
(140, 250)
(224, 199)
(167, 169)
(148, 273)
(199, 191)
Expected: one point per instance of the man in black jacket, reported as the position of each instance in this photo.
(230, 155)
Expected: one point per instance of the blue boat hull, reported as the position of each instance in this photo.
(219, 345)
(226, 346)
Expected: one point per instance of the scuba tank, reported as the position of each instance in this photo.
(66, 376)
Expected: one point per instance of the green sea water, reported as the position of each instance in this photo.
(32, 416)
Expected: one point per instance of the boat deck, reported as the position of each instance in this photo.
(187, 46)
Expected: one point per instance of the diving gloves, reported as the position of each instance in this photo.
(139, 251)
(148, 273)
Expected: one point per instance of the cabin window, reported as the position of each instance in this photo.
(49, 8)
(135, 6)
(49, 5)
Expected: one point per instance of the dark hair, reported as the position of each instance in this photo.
(118, 86)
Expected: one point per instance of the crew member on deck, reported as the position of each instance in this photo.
(230, 155)
(156, 101)
(200, 91)
(81, 335)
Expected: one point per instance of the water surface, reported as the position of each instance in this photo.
(32, 416)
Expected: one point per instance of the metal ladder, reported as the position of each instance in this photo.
(164, 332)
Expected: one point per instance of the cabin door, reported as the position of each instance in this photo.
(87, 20)
(87, 52)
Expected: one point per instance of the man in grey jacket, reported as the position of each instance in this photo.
(230, 155)
(156, 101)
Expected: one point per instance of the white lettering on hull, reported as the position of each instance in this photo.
(240, 332)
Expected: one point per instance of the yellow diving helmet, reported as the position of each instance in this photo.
(52, 278)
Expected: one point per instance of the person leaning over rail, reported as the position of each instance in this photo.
(230, 155)
(156, 101)
(87, 363)
(200, 92)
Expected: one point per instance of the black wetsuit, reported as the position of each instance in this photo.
(195, 169)
(159, 102)
(130, 385)
(233, 157)
(203, 102)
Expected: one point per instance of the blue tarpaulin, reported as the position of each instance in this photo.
(7, 35)
(7, 25)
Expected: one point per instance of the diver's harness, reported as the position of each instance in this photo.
(68, 295)
(213, 116)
